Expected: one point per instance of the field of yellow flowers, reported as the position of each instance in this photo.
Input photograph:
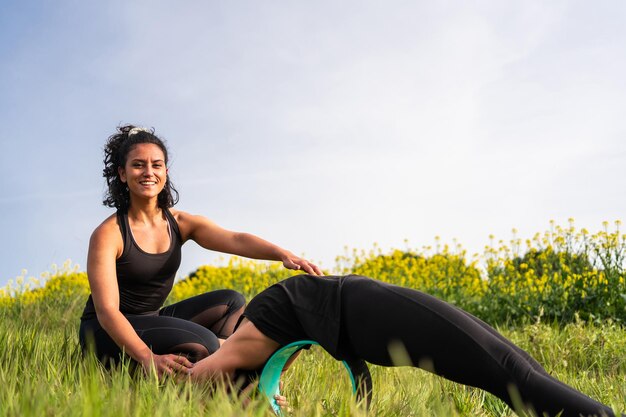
(562, 275)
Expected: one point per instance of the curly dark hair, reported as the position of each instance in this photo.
(115, 154)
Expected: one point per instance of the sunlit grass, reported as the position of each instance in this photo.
(42, 373)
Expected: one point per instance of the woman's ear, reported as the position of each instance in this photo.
(122, 174)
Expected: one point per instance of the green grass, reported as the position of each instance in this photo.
(42, 373)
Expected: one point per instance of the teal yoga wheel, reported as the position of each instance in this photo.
(270, 376)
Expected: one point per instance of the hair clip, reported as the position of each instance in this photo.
(136, 130)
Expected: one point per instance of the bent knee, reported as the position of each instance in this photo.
(236, 300)
(192, 351)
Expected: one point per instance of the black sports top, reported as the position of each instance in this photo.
(144, 279)
(299, 308)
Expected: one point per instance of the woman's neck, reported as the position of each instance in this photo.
(144, 211)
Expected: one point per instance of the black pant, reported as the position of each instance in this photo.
(439, 337)
(190, 327)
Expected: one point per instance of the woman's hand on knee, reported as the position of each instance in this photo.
(168, 364)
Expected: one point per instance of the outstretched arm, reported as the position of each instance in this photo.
(211, 236)
(246, 349)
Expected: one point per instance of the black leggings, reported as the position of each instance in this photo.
(190, 327)
(452, 343)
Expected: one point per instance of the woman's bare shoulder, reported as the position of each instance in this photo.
(107, 231)
(186, 222)
(180, 215)
(185, 219)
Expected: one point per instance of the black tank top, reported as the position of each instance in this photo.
(144, 279)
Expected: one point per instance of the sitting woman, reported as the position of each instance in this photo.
(339, 314)
(133, 258)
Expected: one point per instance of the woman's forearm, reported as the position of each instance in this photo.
(123, 334)
(252, 246)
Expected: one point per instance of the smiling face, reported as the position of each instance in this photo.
(145, 171)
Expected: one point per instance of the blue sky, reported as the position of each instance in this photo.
(316, 125)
